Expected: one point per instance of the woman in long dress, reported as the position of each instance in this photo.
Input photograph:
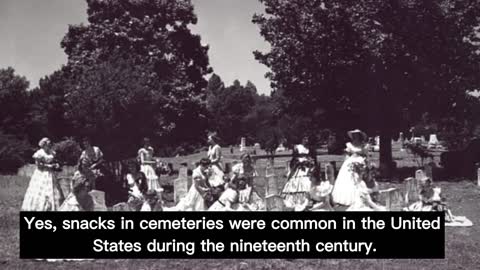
(43, 192)
(147, 164)
(91, 160)
(216, 179)
(296, 190)
(248, 197)
(198, 192)
(344, 191)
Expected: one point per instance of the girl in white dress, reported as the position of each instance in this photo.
(248, 197)
(43, 192)
(195, 198)
(345, 188)
(147, 163)
(216, 178)
(296, 190)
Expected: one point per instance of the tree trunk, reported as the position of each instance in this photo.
(386, 160)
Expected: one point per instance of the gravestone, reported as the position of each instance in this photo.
(412, 191)
(272, 198)
(392, 199)
(228, 168)
(257, 146)
(429, 170)
(98, 200)
(478, 177)
(329, 173)
(242, 144)
(181, 185)
(433, 141)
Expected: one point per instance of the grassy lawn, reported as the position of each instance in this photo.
(462, 244)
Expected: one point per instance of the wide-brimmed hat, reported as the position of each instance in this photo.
(43, 142)
(359, 132)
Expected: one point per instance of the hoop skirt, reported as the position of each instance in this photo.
(43, 192)
(296, 190)
(344, 191)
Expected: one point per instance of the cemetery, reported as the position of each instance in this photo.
(255, 105)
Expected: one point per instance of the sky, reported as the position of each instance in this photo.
(31, 31)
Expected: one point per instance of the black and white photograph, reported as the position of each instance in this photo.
(241, 106)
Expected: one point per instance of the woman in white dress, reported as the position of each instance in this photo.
(296, 190)
(216, 179)
(344, 191)
(195, 198)
(147, 163)
(248, 197)
(43, 192)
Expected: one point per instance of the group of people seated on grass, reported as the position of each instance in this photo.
(212, 189)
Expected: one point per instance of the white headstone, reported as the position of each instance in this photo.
(242, 144)
(433, 141)
(478, 177)
(257, 146)
(180, 185)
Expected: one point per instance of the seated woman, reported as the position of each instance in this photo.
(138, 187)
(364, 188)
(248, 197)
(228, 201)
(199, 192)
(78, 199)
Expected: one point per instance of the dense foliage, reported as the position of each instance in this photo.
(364, 63)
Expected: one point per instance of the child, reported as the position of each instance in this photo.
(138, 185)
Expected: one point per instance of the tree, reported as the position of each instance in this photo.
(363, 64)
(137, 70)
(229, 109)
(47, 112)
(14, 102)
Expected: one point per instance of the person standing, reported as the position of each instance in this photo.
(297, 189)
(216, 179)
(43, 192)
(349, 179)
(147, 165)
(91, 161)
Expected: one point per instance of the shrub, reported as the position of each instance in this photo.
(14, 153)
(68, 151)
